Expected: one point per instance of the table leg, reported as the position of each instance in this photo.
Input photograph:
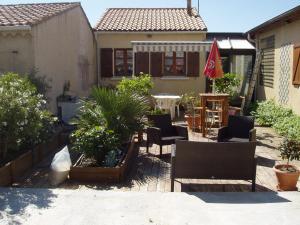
(203, 114)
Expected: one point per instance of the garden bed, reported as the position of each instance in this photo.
(105, 174)
(13, 170)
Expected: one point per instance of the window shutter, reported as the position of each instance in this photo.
(193, 64)
(106, 62)
(141, 63)
(156, 64)
(296, 69)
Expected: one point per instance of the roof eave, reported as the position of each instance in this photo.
(149, 31)
(274, 20)
(16, 28)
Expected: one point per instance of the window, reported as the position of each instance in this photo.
(123, 62)
(267, 46)
(296, 68)
(174, 63)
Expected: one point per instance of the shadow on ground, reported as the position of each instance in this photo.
(14, 201)
(240, 198)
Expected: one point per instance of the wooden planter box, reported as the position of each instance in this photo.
(15, 169)
(103, 174)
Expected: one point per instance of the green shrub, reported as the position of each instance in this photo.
(268, 113)
(23, 119)
(123, 112)
(139, 85)
(228, 84)
(95, 142)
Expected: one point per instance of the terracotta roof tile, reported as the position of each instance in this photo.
(150, 19)
(30, 14)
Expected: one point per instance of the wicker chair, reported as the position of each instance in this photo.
(162, 132)
(239, 129)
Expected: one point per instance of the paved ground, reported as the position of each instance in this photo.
(46, 206)
(153, 174)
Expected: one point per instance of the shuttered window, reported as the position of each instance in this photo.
(106, 62)
(141, 63)
(156, 64)
(193, 64)
(174, 64)
(296, 67)
(123, 62)
(267, 46)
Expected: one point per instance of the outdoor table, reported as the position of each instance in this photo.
(223, 98)
(167, 102)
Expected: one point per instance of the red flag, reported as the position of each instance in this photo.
(213, 68)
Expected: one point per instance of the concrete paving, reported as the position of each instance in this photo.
(57, 206)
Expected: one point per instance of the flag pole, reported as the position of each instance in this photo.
(214, 86)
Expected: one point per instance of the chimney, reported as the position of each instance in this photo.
(189, 7)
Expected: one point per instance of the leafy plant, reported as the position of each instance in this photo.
(95, 142)
(123, 112)
(228, 84)
(24, 121)
(156, 112)
(138, 85)
(189, 101)
(268, 113)
(290, 150)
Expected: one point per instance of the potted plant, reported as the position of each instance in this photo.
(189, 101)
(287, 175)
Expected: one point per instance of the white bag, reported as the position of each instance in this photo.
(60, 166)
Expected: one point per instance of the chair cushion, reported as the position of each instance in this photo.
(172, 138)
(235, 139)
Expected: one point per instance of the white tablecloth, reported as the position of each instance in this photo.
(167, 102)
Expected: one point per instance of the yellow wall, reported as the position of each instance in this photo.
(64, 50)
(19, 42)
(161, 84)
(285, 34)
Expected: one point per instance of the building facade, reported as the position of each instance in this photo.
(279, 42)
(56, 40)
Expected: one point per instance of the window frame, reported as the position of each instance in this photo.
(174, 65)
(125, 61)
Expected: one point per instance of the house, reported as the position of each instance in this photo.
(171, 44)
(55, 39)
(278, 39)
(168, 43)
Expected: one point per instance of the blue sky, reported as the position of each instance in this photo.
(219, 15)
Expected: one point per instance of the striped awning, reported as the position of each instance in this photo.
(171, 46)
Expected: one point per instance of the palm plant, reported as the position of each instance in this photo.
(123, 112)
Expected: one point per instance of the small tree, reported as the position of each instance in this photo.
(228, 84)
(290, 150)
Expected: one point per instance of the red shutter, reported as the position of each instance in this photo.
(106, 62)
(141, 63)
(193, 64)
(296, 69)
(156, 64)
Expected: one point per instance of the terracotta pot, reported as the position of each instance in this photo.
(194, 122)
(287, 181)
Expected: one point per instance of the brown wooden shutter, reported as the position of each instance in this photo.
(296, 68)
(156, 64)
(141, 63)
(193, 69)
(106, 62)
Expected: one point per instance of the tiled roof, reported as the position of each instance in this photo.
(30, 14)
(150, 19)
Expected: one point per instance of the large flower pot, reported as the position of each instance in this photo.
(194, 122)
(287, 181)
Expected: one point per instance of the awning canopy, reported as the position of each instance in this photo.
(235, 44)
(171, 46)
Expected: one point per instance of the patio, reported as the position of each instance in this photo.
(151, 174)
